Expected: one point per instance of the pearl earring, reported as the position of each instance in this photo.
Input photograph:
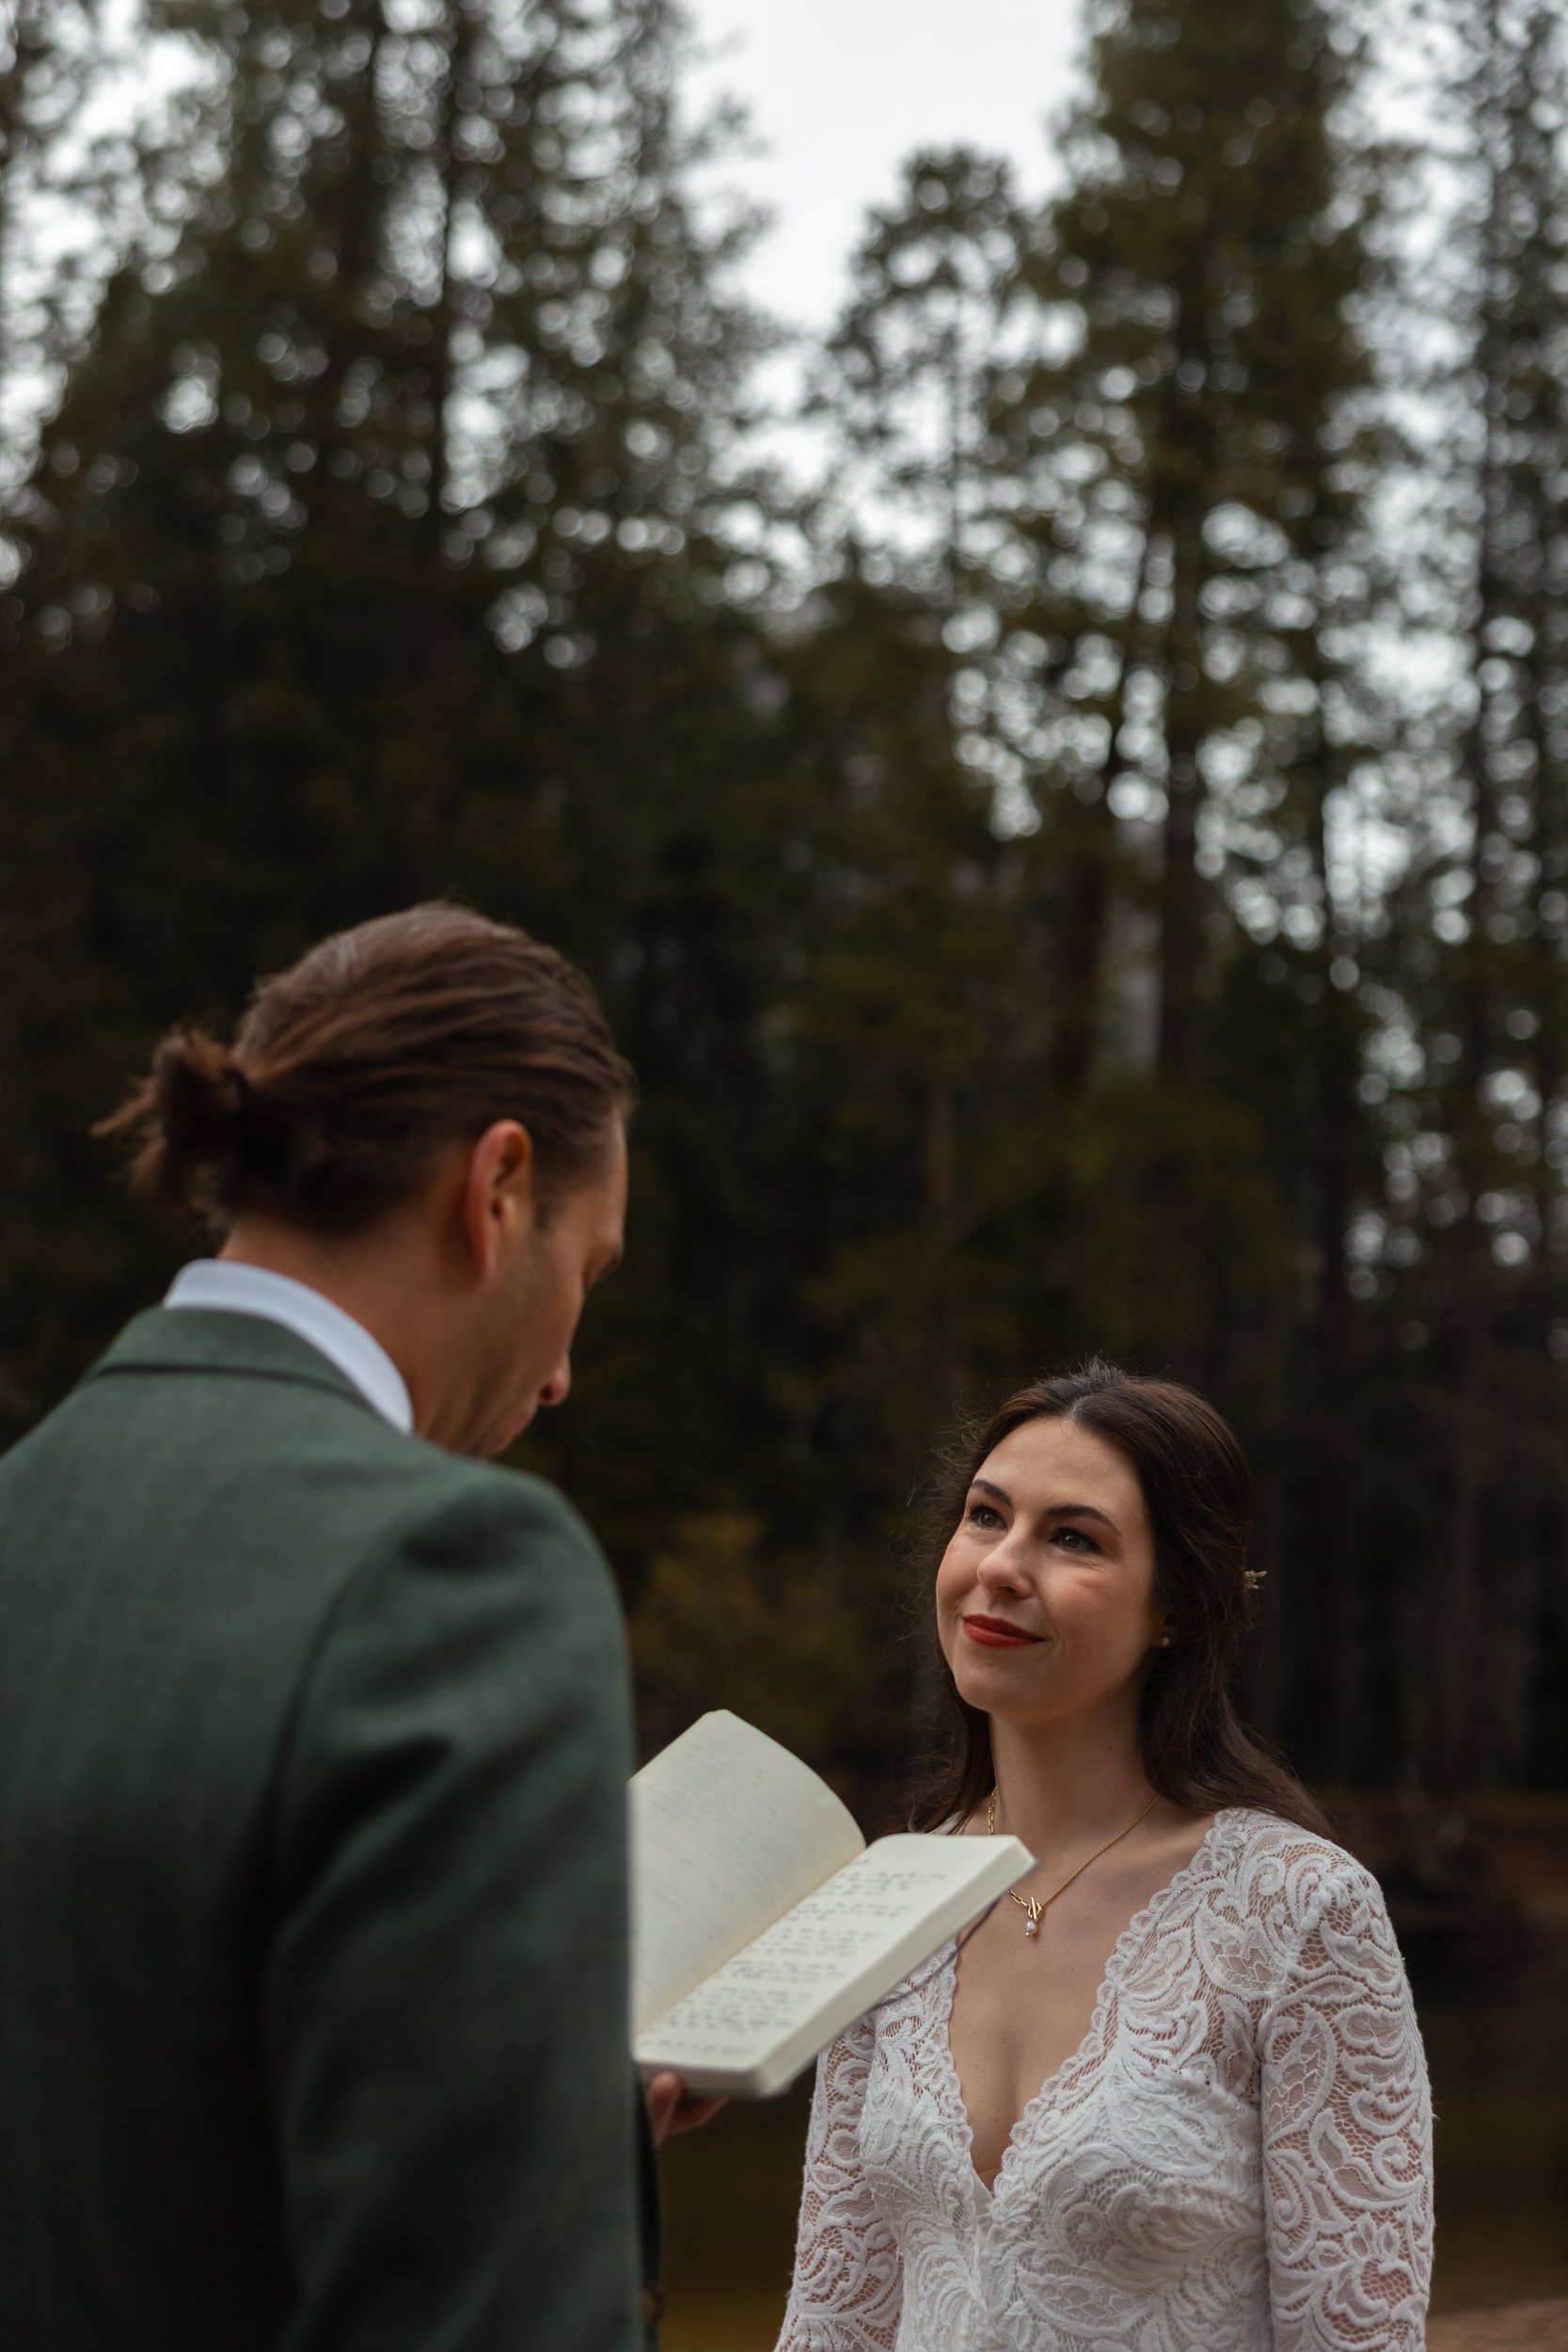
(1166, 1641)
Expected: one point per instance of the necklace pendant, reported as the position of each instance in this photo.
(1032, 1907)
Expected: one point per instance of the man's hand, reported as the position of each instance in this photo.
(670, 2111)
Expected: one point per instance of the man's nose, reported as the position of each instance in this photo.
(558, 1386)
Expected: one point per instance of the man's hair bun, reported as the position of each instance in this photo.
(353, 1072)
(196, 1118)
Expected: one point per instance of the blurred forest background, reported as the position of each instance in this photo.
(1081, 865)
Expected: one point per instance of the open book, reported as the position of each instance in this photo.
(762, 1922)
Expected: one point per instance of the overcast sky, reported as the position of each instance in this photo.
(841, 91)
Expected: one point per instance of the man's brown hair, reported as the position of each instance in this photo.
(353, 1072)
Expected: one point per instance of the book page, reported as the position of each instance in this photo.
(728, 1829)
(768, 2011)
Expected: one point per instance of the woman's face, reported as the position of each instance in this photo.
(1045, 1594)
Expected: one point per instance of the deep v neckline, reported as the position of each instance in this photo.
(1133, 1935)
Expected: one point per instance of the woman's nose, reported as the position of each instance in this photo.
(1003, 1568)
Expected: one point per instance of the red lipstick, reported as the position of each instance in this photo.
(996, 1633)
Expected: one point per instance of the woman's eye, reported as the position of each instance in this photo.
(981, 1515)
(1075, 1539)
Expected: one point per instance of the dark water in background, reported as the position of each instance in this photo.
(1499, 2090)
(1499, 2074)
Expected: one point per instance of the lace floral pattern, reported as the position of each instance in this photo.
(1236, 2160)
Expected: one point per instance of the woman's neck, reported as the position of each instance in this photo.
(1066, 1786)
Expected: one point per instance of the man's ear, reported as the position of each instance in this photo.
(499, 1193)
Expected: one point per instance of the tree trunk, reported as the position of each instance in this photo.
(1339, 1632)
(443, 313)
(1462, 1668)
(1181, 940)
(940, 1150)
(1087, 912)
(1271, 1679)
(357, 223)
(438, 652)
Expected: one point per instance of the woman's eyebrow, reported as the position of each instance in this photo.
(1052, 1511)
(1080, 1511)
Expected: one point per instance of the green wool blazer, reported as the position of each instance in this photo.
(313, 1750)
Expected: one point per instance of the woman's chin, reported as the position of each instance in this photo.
(994, 1685)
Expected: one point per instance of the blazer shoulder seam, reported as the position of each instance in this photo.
(344, 1389)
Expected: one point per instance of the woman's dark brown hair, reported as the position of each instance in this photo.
(355, 1072)
(1198, 1491)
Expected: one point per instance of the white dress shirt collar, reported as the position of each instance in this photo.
(229, 1288)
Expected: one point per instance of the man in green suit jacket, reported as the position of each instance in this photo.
(314, 1728)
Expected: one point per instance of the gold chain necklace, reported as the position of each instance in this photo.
(1032, 1904)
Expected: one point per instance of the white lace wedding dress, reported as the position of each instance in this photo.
(1236, 2158)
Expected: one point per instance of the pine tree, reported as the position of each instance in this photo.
(49, 56)
(1488, 996)
(907, 369)
(1188, 467)
(1171, 449)
(371, 509)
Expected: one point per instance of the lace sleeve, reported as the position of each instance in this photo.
(1347, 2132)
(848, 2288)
